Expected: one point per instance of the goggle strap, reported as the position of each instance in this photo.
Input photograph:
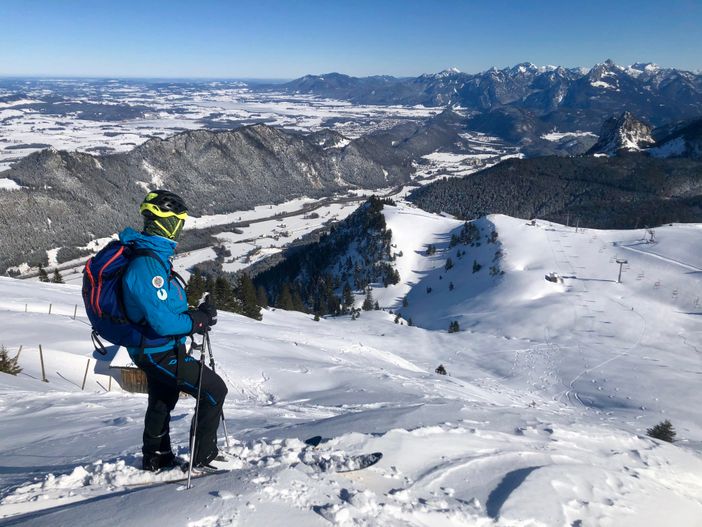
(170, 234)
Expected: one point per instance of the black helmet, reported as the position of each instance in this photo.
(164, 214)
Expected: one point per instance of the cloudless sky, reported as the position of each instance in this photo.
(286, 39)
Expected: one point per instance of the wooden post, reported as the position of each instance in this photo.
(18, 353)
(25, 308)
(109, 384)
(41, 359)
(75, 311)
(85, 375)
(49, 309)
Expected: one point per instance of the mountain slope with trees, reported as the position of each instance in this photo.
(323, 276)
(69, 198)
(628, 191)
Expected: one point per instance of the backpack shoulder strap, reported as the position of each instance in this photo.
(179, 278)
(152, 254)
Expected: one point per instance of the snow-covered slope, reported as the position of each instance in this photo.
(541, 420)
(684, 140)
(589, 340)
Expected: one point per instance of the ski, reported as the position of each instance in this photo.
(327, 463)
(343, 464)
(182, 477)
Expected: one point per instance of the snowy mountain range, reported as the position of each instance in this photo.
(567, 98)
(541, 419)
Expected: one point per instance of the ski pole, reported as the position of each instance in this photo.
(197, 406)
(212, 366)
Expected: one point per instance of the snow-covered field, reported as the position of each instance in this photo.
(541, 420)
(481, 151)
(555, 136)
(133, 112)
(263, 237)
(262, 231)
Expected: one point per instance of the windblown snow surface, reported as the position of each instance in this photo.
(540, 421)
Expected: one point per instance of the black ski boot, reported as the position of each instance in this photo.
(160, 461)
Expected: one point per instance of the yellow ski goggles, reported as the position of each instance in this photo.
(156, 211)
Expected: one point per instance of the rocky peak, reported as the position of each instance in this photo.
(523, 68)
(450, 71)
(623, 133)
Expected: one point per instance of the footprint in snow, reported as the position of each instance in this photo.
(118, 421)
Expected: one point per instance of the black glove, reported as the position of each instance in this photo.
(204, 317)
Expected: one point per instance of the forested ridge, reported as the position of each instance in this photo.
(322, 277)
(627, 191)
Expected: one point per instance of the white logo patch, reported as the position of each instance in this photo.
(162, 294)
(157, 282)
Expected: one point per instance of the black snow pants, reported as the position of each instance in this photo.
(166, 379)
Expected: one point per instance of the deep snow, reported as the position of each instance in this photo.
(541, 420)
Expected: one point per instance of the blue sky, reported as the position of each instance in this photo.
(277, 39)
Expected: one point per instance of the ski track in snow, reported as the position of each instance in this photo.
(664, 258)
(540, 421)
(569, 268)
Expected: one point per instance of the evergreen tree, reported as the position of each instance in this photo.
(334, 305)
(298, 304)
(8, 364)
(476, 266)
(453, 327)
(405, 302)
(397, 318)
(450, 286)
(395, 278)
(195, 288)
(261, 296)
(57, 278)
(663, 431)
(209, 288)
(284, 300)
(224, 297)
(43, 277)
(247, 298)
(409, 321)
(368, 302)
(449, 264)
(348, 297)
(376, 306)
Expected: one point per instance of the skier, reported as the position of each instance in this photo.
(152, 295)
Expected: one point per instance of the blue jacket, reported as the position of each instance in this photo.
(150, 294)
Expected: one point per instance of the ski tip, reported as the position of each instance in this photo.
(313, 441)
